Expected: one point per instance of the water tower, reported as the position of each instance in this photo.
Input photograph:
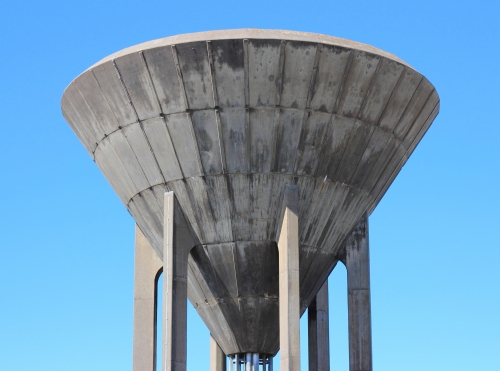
(250, 161)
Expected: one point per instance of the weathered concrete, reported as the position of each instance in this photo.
(147, 268)
(218, 360)
(359, 309)
(245, 286)
(288, 245)
(319, 338)
(178, 241)
(226, 119)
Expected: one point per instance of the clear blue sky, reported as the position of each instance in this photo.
(66, 248)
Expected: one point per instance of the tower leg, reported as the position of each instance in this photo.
(358, 284)
(217, 356)
(289, 307)
(319, 339)
(147, 265)
(177, 242)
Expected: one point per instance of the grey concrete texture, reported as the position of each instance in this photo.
(289, 283)
(218, 361)
(147, 267)
(319, 328)
(178, 241)
(226, 119)
(357, 261)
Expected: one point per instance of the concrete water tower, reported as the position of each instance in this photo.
(250, 161)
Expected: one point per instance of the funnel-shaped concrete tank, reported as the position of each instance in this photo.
(226, 120)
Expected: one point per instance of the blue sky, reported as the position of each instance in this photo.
(66, 253)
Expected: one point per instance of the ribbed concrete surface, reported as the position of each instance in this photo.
(226, 119)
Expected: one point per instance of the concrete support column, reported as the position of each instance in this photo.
(147, 266)
(319, 339)
(358, 284)
(177, 241)
(217, 356)
(289, 306)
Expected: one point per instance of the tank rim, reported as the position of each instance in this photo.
(251, 34)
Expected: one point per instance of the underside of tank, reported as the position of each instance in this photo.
(226, 121)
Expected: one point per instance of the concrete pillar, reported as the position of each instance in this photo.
(319, 339)
(217, 356)
(358, 285)
(177, 241)
(147, 266)
(289, 307)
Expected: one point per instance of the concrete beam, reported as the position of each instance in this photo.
(358, 283)
(177, 243)
(147, 267)
(289, 290)
(217, 356)
(319, 339)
